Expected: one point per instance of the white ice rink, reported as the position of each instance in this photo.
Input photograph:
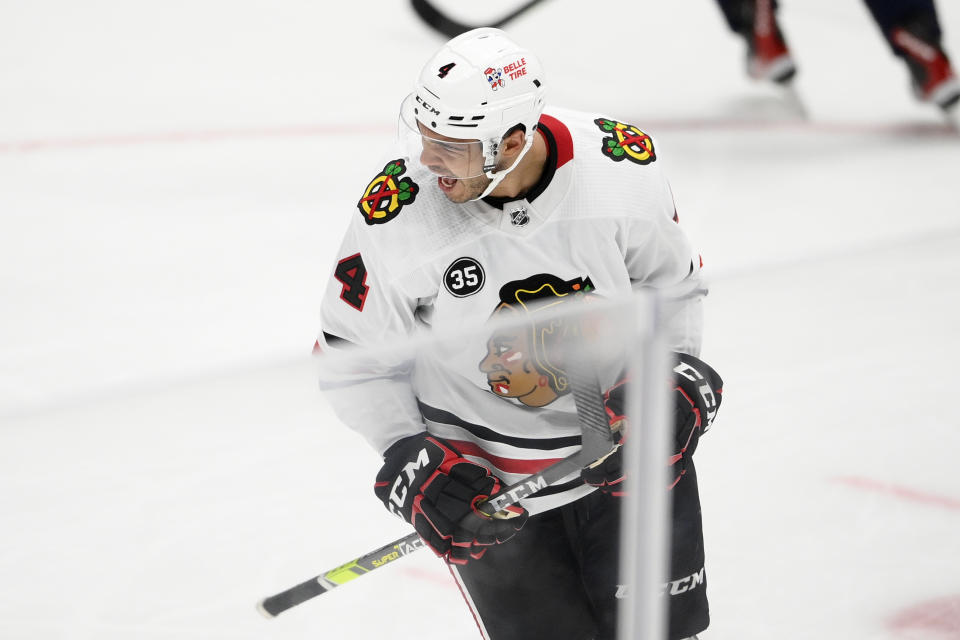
(174, 180)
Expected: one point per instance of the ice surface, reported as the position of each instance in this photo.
(174, 179)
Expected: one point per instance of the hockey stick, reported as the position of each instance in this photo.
(451, 28)
(596, 442)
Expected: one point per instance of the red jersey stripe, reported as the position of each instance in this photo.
(510, 465)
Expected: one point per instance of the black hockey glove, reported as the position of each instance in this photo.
(697, 391)
(429, 484)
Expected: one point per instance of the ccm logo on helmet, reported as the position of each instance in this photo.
(427, 106)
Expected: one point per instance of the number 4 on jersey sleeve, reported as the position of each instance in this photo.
(352, 274)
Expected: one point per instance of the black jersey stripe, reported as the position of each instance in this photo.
(335, 341)
(484, 433)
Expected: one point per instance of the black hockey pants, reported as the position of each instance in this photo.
(888, 14)
(558, 577)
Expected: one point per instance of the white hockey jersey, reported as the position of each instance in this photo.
(603, 215)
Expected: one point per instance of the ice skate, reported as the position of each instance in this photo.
(932, 77)
(768, 57)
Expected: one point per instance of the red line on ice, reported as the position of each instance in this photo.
(919, 129)
(904, 493)
(938, 618)
(200, 135)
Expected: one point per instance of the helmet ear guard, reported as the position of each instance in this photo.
(476, 88)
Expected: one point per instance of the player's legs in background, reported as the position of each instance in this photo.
(768, 57)
(593, 523)
(912, 29)
(529, 587)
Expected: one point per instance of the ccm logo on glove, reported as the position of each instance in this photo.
(425, 481)
(696, 391)
(710, 400)
(400, 490)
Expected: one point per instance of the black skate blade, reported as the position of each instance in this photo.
(951, 111)
(952, 114)
(791, 97)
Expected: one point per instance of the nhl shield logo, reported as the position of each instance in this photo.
(387, 194)
(519, 217)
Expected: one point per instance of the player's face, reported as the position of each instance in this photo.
(463, 189)
(510, 371)
(457, 163)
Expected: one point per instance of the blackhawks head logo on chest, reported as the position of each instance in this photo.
(526, 358)
(387, 194)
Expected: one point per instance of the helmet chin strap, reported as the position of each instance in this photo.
(496, 177)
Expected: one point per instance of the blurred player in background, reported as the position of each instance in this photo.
(491, 208)
(910, 27)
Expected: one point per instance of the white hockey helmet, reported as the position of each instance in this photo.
(475, 89)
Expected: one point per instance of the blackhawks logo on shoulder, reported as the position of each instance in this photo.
(626, 141)
(387, 194)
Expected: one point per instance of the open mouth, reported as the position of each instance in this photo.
(500, 386)
(447, 183)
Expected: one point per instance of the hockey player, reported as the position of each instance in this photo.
(491, 208)
(910, 27)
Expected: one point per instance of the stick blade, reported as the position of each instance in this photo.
(262, 609)
(276, 604)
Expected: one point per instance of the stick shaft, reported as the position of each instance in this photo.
(596, 442)
(289, 598)
(452, 28)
